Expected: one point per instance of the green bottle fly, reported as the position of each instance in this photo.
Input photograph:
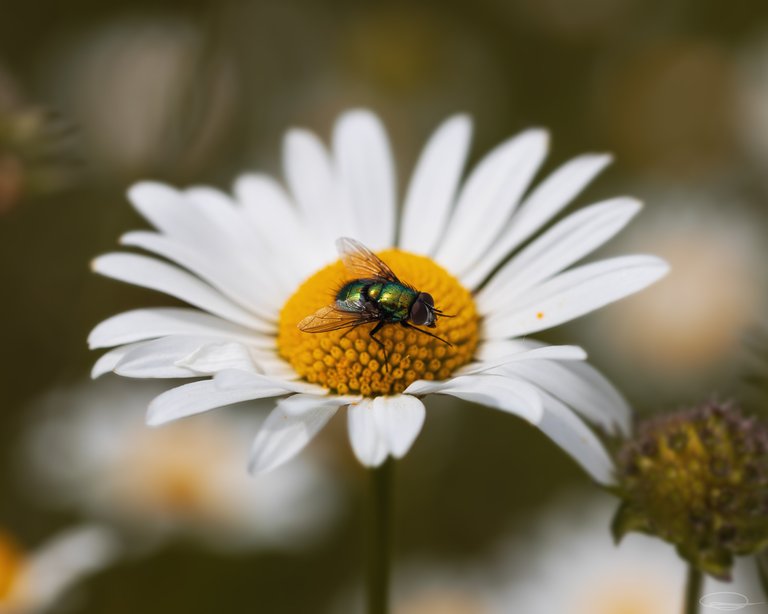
(375, 295)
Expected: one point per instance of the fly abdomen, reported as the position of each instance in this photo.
(356, 296)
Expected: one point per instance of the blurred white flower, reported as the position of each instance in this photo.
(687, 329)
(31, 582)
(435, 589)
(92, 450)
(572, 566)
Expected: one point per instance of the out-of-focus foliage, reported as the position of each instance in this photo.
(36, 148)
(197, 92)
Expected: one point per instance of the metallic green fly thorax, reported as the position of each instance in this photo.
(393, 300)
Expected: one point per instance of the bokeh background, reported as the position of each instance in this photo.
(95, 95)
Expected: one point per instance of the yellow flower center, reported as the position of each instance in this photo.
(11, 564)
(348, 361)
(161, 472)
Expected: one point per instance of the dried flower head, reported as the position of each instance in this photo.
(698, 478)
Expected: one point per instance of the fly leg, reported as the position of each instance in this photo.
(406, 325)
(372, 334)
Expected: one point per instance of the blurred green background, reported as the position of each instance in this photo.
(95, 95)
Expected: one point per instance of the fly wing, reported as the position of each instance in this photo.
(361, 262)
(330, 318)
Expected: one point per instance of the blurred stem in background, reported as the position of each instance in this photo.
(379, 542)
(693, 590)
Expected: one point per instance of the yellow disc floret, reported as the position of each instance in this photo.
(348, 361)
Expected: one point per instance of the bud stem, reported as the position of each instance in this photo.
(693, 590)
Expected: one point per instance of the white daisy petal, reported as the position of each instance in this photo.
(141, 324)
(368, 443)
(309, 174)
(214, 357)
(505, 393)
(562, 426)
(167, 210)
(367, 176)
(249, 226)
(564, 244)
(109, 360)
(235, 379)
(491, 192)
(156, 275)
(178, 356)
(210, 358)
(493, 349)
(199, 397)
(268, 362)
(267, 207)
(207, 222)
(544, 202)
(433, 186)
(238, 286)
(605, 397)
(219, 211)
(596, 401)
(551, 352)
(286, 431)
(399, 420)
(299, 404)
(159, 358)
(574, 382)
(227, 388)
(265, 202)
(574, 293)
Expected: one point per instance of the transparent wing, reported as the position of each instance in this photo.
(330, 318)
(361, 262)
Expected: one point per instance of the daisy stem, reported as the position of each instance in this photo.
(693, 590)
(379, 544)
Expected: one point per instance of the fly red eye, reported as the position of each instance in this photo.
(421, 310)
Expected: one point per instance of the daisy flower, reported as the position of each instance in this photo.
(256, 265)
(32, 582)
(88, 449)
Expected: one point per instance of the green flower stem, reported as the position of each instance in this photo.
(761, 561)
(379, 542)
(693, 590)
